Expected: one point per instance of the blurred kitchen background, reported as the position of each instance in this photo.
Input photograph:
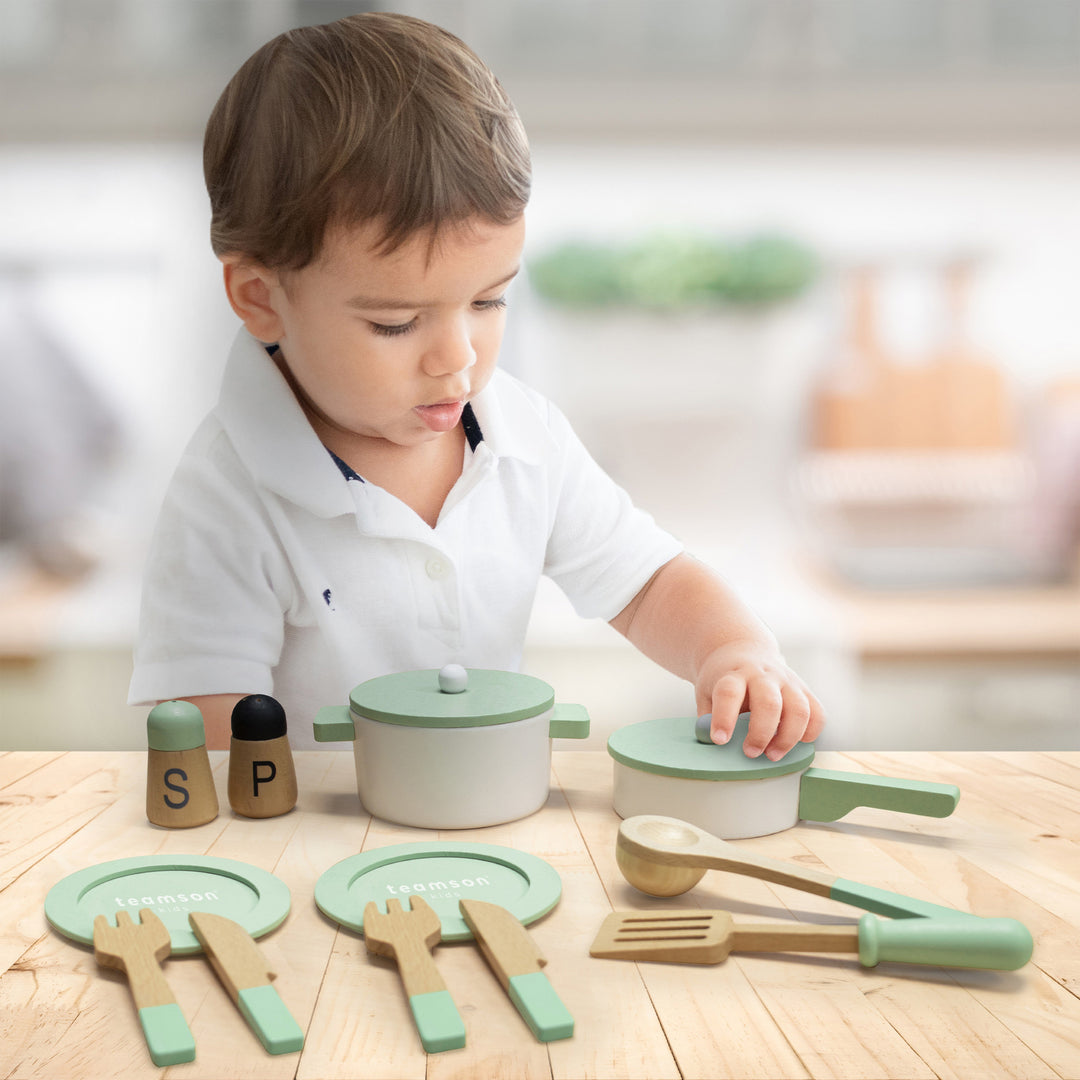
(805, 274)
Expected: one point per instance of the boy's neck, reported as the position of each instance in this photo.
(421, 476)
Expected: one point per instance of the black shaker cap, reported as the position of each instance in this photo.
(258, 717)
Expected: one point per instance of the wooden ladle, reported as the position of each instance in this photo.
(664, 856)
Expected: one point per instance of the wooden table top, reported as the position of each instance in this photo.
(1012, 848)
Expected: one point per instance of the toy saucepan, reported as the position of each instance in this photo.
(452, 749)
(665, 767)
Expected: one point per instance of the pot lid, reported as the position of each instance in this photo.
(452, 697)
(669, 747)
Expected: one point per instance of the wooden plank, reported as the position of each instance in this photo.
(15, 766)
(50, 805)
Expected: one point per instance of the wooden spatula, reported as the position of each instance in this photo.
(706, 937)
(137, 949)
(408, 936)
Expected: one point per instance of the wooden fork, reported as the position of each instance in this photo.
(408, 936)
(137, 949)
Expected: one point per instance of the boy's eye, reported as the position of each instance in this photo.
(490, 305)
(393, 330)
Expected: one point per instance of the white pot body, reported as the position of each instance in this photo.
(729, 809)
(453, 778)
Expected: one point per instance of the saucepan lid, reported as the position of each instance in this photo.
(669, 747)
(452, 697)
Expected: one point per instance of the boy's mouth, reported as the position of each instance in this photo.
(443, 416)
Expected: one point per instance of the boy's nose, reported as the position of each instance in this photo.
(452, 352)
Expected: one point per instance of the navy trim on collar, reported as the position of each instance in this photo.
(346, 469)
(471, 426)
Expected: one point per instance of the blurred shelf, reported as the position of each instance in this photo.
(960, 624)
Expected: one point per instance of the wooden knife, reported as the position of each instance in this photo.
(242, 969)
(517, 961)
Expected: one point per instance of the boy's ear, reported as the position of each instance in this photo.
(250, 289)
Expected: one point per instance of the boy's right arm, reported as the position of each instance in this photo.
(216, 712)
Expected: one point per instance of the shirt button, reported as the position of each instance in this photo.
(436, 569)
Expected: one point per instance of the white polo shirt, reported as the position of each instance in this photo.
(275, 570)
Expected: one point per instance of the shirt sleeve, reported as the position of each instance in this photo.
(215, 588)
(601, 549)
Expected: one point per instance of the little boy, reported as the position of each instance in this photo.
(370, 494)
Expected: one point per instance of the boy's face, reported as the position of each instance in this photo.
(389, 347)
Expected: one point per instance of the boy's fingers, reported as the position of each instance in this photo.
(727, 702)
(816, 723)
(766, 705)
(793, 723)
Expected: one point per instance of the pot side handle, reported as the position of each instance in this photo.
(827, 795)
(334, 723)
(569, 722)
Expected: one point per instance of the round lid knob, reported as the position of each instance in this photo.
(258, 717)
(453, 679)
(175, 725)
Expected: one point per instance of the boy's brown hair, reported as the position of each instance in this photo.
(375, 117)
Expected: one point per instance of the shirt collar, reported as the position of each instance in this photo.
(509, 417)
(271, 434)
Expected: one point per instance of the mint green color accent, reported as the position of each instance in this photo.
(543, 1010)
(883, 902)
(569, 722)
(168, 1038)
(175, 725)
(171, 886)
(669, 747)
(413, 699)
(994, 944)
(438, 1021)
(825, 795)
(264, 1010)
(442, 872)
(334, 723)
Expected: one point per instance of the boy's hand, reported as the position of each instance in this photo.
(745, 675)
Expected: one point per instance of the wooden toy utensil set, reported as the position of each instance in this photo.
(180, 789)
(664, 856)
(137, 949)
(409, 935)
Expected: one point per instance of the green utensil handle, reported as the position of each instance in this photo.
(827, 795)
(970, 942)
(168, 1038)
(268, 1017)
(895, 905)
(438, 1021)
(541, 1008)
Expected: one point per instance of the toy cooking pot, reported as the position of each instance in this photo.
(661, 767)
(452, 749)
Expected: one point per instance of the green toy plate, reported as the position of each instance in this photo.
(442, 872)
(669, 747)
(171, 886)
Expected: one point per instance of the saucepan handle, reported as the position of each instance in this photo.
(827, 795)
(569, 722)
(334, 723)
